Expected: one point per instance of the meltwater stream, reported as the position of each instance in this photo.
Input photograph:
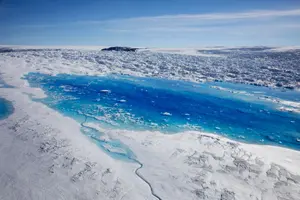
(241, 112)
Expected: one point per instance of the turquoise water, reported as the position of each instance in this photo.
(132, 103)
(6, 108)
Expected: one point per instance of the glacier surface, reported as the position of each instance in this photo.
(258, 66)
(44, 155)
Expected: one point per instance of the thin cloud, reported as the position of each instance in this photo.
(197, 22)
(242, 28)
(212, 16)
(226, 16)
(185, 22)
(167, 29)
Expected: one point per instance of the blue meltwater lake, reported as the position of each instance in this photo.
(6, 108)
(245, 113)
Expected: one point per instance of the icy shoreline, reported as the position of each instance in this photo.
(43, 158)
(209, 166)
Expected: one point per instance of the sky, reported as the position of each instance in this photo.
(150, 23)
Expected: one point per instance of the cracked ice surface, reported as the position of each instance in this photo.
(208, 167)
(259, 66)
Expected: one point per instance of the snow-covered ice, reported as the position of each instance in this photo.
(44, 155)
(258, 65)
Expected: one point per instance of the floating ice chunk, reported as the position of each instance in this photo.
(166, 114)
(153, 124)
(122, 101)
(105, 91)
(288, 109)
(186, 114)
(298, 139)
(218, 128)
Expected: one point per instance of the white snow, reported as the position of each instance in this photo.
(194, 165)
(44, 155)
(182, 51)
(243, 65)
